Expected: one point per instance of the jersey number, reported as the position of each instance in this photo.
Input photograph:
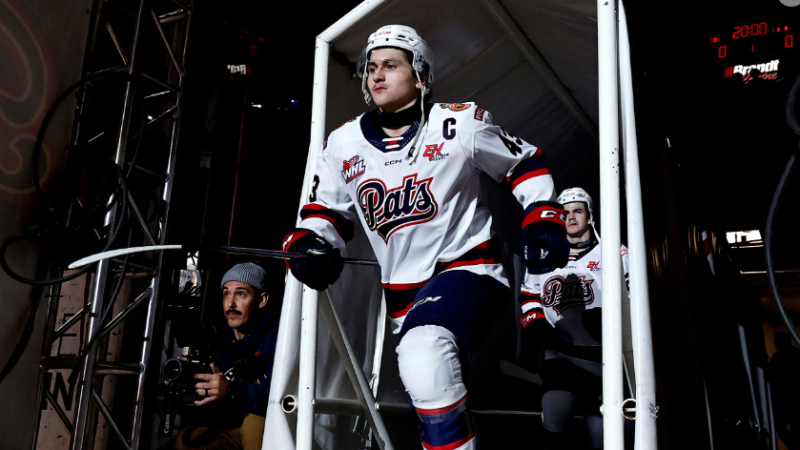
(511, 142)
(313, 197)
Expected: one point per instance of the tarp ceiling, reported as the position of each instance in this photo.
(476, 61)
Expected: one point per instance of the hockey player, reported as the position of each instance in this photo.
(408, 171)
(562, 310)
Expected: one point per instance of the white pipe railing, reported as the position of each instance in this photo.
(355, 15)
(307, 376)
(304, 318)
(646, 407)
(278, 427)
(613, 435)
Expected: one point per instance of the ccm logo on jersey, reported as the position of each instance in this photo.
(352, 169)
(434, 152)
(561, 293)
(593, 266)
(388, 210)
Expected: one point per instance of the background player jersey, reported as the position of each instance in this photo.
(563, 295)
(422, 214)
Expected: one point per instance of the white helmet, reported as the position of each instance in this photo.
(577, 194)
(404, 38)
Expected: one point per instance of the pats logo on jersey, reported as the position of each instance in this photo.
(455, 106)
(388, 210)
(353, 168)
(561, 293)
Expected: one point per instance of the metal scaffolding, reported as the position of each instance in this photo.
(141, 34)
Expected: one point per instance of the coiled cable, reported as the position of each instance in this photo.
(773, 209)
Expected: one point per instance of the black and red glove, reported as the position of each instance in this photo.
(321, 266)
(544, 237)
(535, 333)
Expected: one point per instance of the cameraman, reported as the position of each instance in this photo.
(235, 395)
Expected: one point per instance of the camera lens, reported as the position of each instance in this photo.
(172, 369)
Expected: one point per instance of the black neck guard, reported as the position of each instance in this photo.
(399, 119)
(591, 242)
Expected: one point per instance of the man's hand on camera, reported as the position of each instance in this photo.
(213, 385)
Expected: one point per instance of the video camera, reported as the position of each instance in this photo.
(198, 341)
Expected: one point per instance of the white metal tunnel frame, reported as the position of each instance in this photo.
(301, 304)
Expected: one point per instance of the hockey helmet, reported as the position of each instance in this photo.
(577, 194)
(404, 38)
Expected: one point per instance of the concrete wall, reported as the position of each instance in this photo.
(41, 52)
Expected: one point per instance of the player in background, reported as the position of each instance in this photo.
(409, 172)
(561, 317)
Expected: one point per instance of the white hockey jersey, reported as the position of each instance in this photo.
(561, 296)
(422, 214)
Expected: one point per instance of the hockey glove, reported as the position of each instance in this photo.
(322, 264)
(544, 237)
(534, 336)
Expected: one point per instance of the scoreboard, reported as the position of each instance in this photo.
(756, 52)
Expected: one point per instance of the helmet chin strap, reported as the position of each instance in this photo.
(596, 235)
(421, 122)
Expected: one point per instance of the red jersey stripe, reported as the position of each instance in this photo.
(430, 412)
(403, 286)
(326, 217)
(472, 263)
(401, 313)
(528, 176)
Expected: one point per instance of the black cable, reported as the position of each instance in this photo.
(122, 192)
(37, 148)
(768, 247)
(111, 241)
(39, 285)
(790, 107)
(773, 209)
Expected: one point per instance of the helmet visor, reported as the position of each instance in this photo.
(361, 67)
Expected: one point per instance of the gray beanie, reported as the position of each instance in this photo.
(248, 273)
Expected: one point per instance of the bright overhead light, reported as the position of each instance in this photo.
(735, 237)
